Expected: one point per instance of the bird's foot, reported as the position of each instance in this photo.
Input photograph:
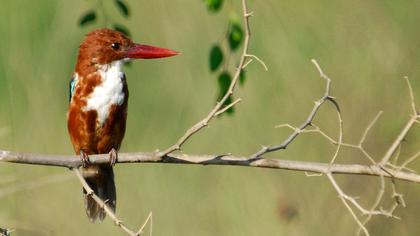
(84, 157)
(113, 157)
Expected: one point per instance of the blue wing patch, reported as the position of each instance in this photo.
(72, 87)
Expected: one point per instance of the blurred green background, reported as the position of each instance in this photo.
(366, 47)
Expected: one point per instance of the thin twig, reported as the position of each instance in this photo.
(105, 206)
(309, 119)
(412, 101)
(410, 159)
(73, 161)
(219, 105)
(149, 218)
(364, 135)
(397, 155)
(344, 198)
(369, 127)
(398, 140)
(392, 171)
(340, 134)
(259, 60)
(376, 203)
(227, 107)
(394, 147)
(413, 119)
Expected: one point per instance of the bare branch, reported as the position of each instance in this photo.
(364, 135)
(106, 208)
(149, 218)
(397, 155)
(227, 107)
(340, 134)
(309, 119)
(375, 204)
(73, 161)
(398, 140)
(410, 90)
(344, 198)
(247, 63)
(258, 59)
(369, 127)
(384, 169)
(410, 159)
(219, 105)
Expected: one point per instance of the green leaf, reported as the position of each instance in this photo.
(216, 57)
(236, 35)
(242, 77)
(214, 5)
(224, 83)
(122, 6)
(122, 29)
(228, 101)
(88, 17)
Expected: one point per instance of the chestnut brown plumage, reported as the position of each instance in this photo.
(97, 113)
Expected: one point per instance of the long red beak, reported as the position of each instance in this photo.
(149, 52)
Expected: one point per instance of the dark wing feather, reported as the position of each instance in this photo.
(72, 86)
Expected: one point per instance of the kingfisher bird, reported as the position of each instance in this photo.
(97, 113)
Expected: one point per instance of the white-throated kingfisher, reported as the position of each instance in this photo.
(97, 113)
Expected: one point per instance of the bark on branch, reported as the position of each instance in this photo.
(72, 161)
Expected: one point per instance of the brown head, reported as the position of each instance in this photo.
(104, 46)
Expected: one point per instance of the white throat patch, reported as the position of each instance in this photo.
(109, 92)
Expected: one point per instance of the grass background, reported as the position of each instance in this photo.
(366, 47)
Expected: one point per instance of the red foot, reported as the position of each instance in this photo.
(113, 157)
(84, 157)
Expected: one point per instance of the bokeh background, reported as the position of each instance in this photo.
(366, 47)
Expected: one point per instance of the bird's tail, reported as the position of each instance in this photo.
(101, 180)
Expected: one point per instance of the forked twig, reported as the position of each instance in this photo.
(413, 120)
(106, 208)
(344, 199)
(219, 108)
(309, 119)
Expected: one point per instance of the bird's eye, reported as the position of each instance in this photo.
(115, 46)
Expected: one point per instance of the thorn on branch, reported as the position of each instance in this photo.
(118, 223)
(399, 199)
(258, 59)
(286, 126)
(249, 14)
(321, 72)
(334, 102)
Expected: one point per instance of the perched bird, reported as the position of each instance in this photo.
(97, 112)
